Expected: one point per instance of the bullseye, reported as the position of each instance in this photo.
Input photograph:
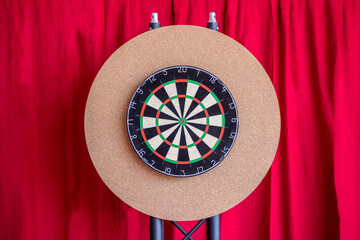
(182, 121)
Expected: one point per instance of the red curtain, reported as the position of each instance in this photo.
(50, 52)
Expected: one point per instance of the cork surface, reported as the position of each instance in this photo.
(168, 197)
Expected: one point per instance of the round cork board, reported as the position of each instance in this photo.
(188, 198)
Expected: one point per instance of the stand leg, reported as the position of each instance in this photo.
(156, 229)
(213, 228)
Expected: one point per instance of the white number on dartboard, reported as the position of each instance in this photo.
(132, 105)
(182, 70)
(139, 91)
(231, 105)
(168, 170)
(225, 150)
(130, 122)
(213, 80)
(232, 135)
(152, 79)
(141, 152)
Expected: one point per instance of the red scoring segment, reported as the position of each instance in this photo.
(157, 89)
(143, 135)
(205, 87)
(221, 108)
(183, 162)
(181, 80)
(159, 155)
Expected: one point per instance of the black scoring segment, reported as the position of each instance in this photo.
(182, 106)
(172, 136)
(193, 136)
(214, 110)
(163, 149)
(182, 138)
(181, 90)
(203, 148)
(201, 127)
(183, 155)
(163, 128)
(198, 115)
(165, 116)
(201, 94)
(162, 95)
(150, 112)
(193, 105)
(214, 131)
(150, 132)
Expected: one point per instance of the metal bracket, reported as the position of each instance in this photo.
(212, 228)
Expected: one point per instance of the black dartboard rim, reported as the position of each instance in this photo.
(216, 139)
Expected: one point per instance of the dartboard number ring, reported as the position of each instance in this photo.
(182, 121)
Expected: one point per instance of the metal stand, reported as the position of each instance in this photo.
(213, 228)
(156, 228)
(212, 223)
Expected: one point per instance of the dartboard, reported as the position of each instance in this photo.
(182, 121)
